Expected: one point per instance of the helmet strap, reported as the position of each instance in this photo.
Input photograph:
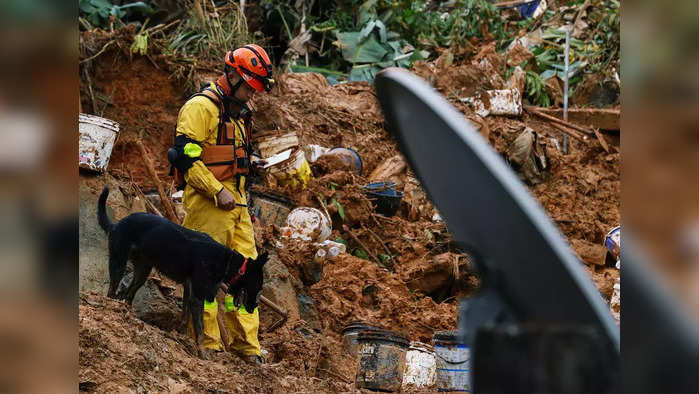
(229, 99)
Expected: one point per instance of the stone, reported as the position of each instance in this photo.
(151, 306)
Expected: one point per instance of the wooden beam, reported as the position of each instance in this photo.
(595, 118)
(169, 209)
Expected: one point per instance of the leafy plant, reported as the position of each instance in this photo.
(98, 12)
(536, 89)
(340, 209)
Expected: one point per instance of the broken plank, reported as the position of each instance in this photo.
(597, 118)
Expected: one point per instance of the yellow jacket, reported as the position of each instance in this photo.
(198, 119)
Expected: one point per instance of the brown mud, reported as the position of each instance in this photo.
(412, 274)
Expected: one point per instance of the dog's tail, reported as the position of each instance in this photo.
(102, 217)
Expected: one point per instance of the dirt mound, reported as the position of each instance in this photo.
(120, 353)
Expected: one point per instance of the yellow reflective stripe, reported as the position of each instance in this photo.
(209, 305)
(229, 303)
(192, 150)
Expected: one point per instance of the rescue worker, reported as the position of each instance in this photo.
(213, 154)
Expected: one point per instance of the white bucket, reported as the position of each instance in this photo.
(97, 137)
(310, 224)
(420, 365)
(453, 362)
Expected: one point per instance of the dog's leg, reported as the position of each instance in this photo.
(118, 256)
(140, 275)
(186, 294)
(197, 310)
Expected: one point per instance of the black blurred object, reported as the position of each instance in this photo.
(58, 253)
(528, 272)
(528, 359)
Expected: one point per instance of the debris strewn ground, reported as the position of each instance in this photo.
(410, 275)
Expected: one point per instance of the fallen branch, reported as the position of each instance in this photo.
(601, 140)
(378, 239)
(540, 114)
(369, 252)
(572, 133)
(147, 201)
(169, 209)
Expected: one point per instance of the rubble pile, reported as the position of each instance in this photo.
(400, 272)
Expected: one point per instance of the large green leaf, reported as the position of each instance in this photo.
(369, 51)
(364, 73)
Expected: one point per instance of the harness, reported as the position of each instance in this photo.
(241, 271)
(230, 157)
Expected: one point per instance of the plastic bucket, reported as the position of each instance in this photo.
(349, 156)
(350, 334)
(384, 196)
(97, 137)
(453, 362)
(420, 365)
(309, 223)
(381, 360)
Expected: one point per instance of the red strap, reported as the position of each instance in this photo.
(240, 272)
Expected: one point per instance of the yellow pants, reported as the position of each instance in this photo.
(233, 229)
(241, 326)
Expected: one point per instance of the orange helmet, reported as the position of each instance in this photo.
(253, 65)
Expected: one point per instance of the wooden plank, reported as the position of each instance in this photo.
(595, 118)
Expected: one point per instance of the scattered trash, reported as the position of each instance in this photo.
(496, 102)
(332, 248)
(293, 171)
(97, 137)
(437, 217)
(344, 158)
(313, 152)
(381, 360)
(525, 159)
(309, 224)
(270, 144)
(613, 242)
(420, 365)
(384, 196)
(534, 9)
(278, 158)
(312, 271)
(453, 362)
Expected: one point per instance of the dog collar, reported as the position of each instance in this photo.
(240, 272)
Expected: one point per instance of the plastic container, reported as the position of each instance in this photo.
(613, 242)
(453, 362)
(313, 152)
(350, 343)
(309, 224)
(381, 360)
(384, 196)
(97, 138)
(349, 156)
(420, 365)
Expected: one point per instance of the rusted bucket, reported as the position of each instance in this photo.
(97, 138)
(381, 360)
(420, 367)
(350, 340)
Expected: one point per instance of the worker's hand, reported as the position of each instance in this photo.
(225, 200)
(258, 165)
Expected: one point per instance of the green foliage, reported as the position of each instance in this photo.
(536, 90)
(98, 12)
(361, 253)
(340, 208)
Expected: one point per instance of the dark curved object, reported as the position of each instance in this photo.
(520, 253)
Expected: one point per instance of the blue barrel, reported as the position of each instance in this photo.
(453, 362)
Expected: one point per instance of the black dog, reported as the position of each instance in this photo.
(188, 257)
